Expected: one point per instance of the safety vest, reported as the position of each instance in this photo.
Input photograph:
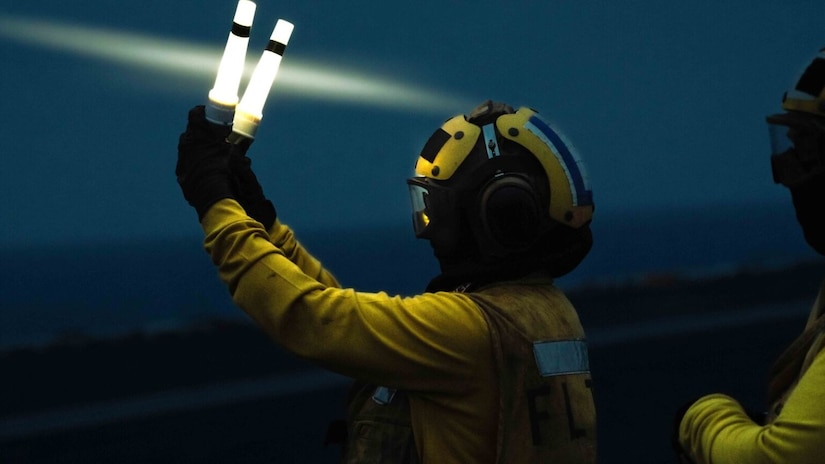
(797, 358)
(546, 408)
(379, 427)
(546, 412)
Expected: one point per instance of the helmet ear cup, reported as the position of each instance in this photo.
(511, 215)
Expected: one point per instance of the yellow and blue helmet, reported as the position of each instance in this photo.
(798, 135)
(505, 176)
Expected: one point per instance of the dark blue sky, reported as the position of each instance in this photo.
(665, 101)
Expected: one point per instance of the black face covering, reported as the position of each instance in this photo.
(555, 254)
(809, 202)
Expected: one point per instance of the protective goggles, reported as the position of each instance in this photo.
(797, 147)
(429, 201)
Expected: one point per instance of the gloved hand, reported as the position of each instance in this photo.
(203, 162)
(681, 455)
(248, 190)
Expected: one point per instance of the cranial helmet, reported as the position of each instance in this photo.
(498, 185)
(808, 94)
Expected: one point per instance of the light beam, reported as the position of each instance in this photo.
(180, 59)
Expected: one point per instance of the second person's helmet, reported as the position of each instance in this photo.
(798, 149)
(798, 134)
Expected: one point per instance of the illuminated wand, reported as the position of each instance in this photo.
(250, 110)
(224, 95)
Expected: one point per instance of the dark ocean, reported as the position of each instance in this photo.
(66, 291)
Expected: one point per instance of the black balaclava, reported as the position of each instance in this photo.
(809, 203)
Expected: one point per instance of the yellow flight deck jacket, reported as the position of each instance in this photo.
(716, 429)
(438, 348)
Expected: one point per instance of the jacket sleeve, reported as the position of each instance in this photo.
(716, 429)
(427, 342)
(282, 237)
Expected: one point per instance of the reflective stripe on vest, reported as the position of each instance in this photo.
(561, 357)
(383, 395)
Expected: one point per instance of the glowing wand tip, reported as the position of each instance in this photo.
(250, 110)
(282, 32)
(224, 95)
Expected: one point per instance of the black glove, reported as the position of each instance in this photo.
(203, 162)
(249, 192)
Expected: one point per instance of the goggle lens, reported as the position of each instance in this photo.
(797, 149)
(418, 200)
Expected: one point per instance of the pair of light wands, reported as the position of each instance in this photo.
(223, 106)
